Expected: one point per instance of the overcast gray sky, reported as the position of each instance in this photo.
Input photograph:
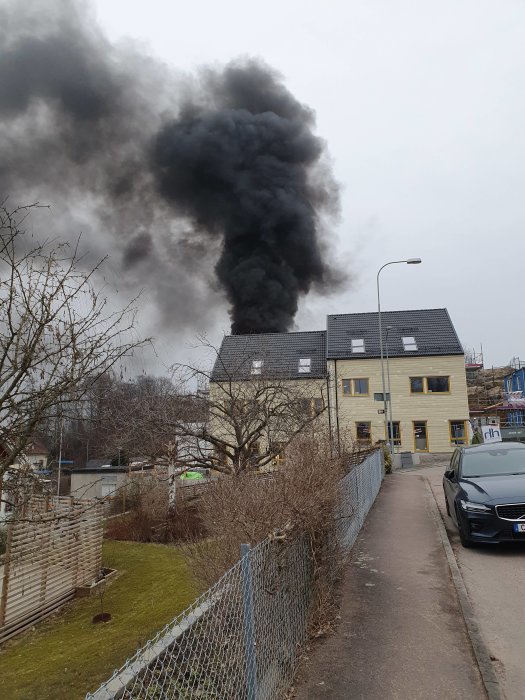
(423, 108)
(422, 105)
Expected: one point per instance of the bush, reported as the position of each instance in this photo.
(151, 520)
(387, 459)
(300, 499)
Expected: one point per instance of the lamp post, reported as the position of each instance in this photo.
(389, 394)
(409, 261)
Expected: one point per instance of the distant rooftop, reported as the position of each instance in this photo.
(283, 355)
(348, 336)
(414, 332)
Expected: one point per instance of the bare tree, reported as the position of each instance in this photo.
(229, 426)
(58, 335)
(249, 419)
(140, 417)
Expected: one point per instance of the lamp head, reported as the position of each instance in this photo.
(413, 261)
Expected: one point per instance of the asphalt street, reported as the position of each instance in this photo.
(495, 580)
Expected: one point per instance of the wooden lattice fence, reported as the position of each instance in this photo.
(54, 546)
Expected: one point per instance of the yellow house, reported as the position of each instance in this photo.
(264, 389)
(340, 369)
(426, 390)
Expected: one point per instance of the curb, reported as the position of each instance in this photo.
(481, 652)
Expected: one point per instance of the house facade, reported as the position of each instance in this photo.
(426, 388)
(286, 368)
(35, 455)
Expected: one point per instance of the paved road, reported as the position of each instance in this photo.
(495, 581)
(401, 635)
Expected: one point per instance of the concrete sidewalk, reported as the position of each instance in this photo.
(401, 634)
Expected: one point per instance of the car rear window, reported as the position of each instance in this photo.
(494, 462)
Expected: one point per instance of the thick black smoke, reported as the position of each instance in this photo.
(174, 177)
(241, 171)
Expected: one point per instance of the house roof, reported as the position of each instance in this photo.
(432, 330)
(279, 352)
(36, 447)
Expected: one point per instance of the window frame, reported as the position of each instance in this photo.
(280, 454)
(409, 343)
(257, 366)
(318, 405)
(352, 381)
(306, 367)
(357, 345)
(425, 384)
(255, 447)
(397, 442)
(422, 385)
(363, 441)
(438, 376)
(427, 449)
(465, 440)
(361, 393)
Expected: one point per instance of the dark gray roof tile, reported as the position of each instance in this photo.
(431, 328)
(280, 353)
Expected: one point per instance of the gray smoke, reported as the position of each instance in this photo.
(184, 182)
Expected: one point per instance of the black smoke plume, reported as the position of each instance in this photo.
(175, 177)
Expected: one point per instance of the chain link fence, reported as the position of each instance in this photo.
(242, 638)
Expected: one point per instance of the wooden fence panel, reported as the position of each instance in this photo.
(51, 551)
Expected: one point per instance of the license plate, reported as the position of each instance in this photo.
(519, 527)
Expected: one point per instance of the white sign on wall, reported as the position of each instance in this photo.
(491, 433)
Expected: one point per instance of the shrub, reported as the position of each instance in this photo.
(299, 499)
(151, 520)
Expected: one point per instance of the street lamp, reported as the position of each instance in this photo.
(409, 261)
(389, 394)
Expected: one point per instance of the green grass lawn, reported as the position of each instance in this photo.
(67, 655)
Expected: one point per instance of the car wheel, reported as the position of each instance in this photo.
(465, 541)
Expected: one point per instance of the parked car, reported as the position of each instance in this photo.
(485, 492)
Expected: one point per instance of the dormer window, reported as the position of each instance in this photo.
(305, 365)
(409, 343)
(257, 366)
(358, 344)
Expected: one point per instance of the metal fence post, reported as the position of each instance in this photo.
(249, 631)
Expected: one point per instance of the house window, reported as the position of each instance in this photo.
(257, 366)
(430, 385)
(409, 343)
(310, 407)
(363, 433)
(318, 406)
(278, 449)
(394, 434)
(378, 396)
(304, 406)
(438, 385)
(420, 436)
(358, 345)
(360, 387)
(417, 385)
(458, 432)
(305, 365)
(355, 387)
